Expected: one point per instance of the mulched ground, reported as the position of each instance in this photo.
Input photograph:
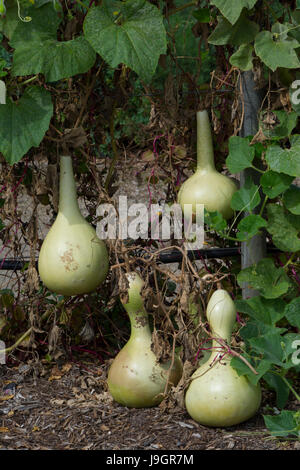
(68, 407)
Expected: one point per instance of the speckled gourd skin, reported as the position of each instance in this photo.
(72, 260)
(207, 186)
(135, 379)
(217, 396)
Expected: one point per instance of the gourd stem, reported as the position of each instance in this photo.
(68, 204)
(205, 152)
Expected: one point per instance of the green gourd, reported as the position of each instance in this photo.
(206, 186)
(135, 378)
(217, 395)
(72, 260)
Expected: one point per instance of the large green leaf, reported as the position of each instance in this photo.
(232, 9)
(284, 160)
(286, 123)
(38, 51)
(23, 124)
(243, 32)
(250, 226)
(246, 198)
(270, 281)
(242, 369)
(291, 199)
(275, 52)
(270, 346)
(274, 183)
(243, 57)
(283, 425)
(292, 312)
(130, 32)
(280, 387)
(267, 311)
(284, 228)
(241, 154)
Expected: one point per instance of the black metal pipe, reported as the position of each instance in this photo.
(172, 256)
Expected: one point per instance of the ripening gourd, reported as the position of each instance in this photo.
(217, 395)
(135, 378)
(206, 186)
(72, 260)
(2, 92)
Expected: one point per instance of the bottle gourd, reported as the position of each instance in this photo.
(135, 378)
(217, 395)
(72, 260)
(206, 186)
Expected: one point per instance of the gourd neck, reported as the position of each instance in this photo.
(205, 152)
(68, 204)
(140, 328)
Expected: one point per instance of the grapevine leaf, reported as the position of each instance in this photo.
(292, 312)
(243, 32)
(284, 160)
(275, 52)
(274, 184)
(270, 281)
(232, 9)
(23, 124)
(291, 199)
(246, 198)
(131, 33)
(38, 51)
(241, 154)
(243, 57)
(282, 425)
(249, 226)
(284, 228)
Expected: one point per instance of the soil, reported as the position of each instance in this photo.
(68, 407)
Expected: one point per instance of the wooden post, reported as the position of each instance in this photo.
(254, 250)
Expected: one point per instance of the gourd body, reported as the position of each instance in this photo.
(135, 378)
(72, 260)
(217, 395)
(206, 186)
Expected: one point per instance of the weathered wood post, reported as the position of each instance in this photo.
(254, 250)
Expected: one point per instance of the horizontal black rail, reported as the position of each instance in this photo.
(171, 256)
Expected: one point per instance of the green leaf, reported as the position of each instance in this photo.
(267, 311)
(280, 387)
(243, 57)
(274, 184)
(284, 228)
(131, 33)
(271, 282)
(242, 369)
(283, 425)
(292, 312)
(243, 32)
(254, 328)
(23, 124)
(284, 160)
(275, 52)
(250, 226)
(241, 154)
(9, 22)
(291, 199)
(287, 122)
(215, 221)
(232, 9)
(270, 346)
(202, 15)
(246, 198)
(38, 51)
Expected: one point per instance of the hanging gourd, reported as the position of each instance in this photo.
(135, 378)
(217, 395)
(207, 186)
(73, 260)
(2, 92)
